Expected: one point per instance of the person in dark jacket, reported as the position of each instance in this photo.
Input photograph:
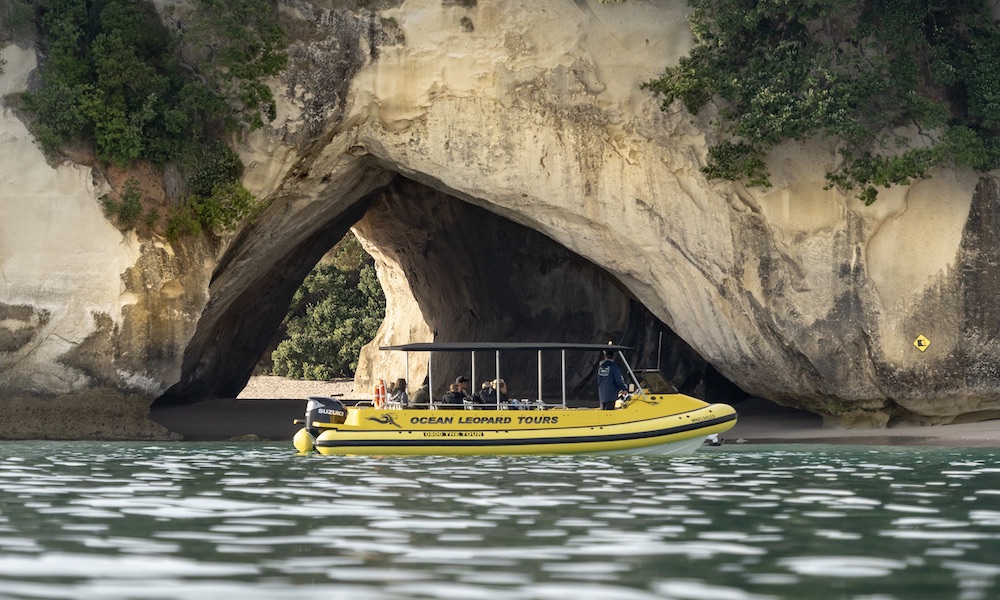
(454, 397)
(463, 386)
(481, 398)
(610, 383)
(490, 394)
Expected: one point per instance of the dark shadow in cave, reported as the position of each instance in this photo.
(475, 275)
(478, 276)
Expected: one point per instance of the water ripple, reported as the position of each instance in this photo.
(131, 520)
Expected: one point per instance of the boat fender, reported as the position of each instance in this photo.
(379, 395)
(304, 441)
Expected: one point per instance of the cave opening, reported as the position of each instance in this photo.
(457, 272)
(451, 271)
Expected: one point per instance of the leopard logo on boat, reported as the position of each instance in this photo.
(387, 419)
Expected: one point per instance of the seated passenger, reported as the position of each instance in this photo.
(490, 395)
(398, 398)
(453, 398)
(479, 398)
(463, 386)
(420, 398)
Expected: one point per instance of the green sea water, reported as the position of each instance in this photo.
(252, 520)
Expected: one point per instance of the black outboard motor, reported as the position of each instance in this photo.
(325, 410)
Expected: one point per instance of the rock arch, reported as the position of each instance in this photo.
(798, 293)
(451, 271)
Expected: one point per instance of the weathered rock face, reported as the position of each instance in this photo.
(529, 112)
(82, 305)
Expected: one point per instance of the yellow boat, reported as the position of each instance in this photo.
(644, 422)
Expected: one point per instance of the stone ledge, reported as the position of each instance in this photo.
(91, 415)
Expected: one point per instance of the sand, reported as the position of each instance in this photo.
(762, 422)
(268, 405)
(279, 388)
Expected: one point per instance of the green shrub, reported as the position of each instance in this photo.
(112, 78)
(128, 208)
(228, 205)
(215, 165)
(218, 201)
(182, 221)
(854, 70)
(15, 21)
(337, 310)
(247, 45)
(131, 204)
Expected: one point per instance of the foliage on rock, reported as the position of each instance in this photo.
(240, 43)
(114, 77)
(337, 310)
(218, 201)
(15, 22)
(903, 85)
(128, 208)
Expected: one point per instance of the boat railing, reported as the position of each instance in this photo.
(513, 404)
(498, 347)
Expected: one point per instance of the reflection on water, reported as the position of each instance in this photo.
(90, 520)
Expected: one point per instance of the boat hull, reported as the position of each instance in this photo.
(656, 424)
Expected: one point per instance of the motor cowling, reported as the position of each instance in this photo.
(324, 410)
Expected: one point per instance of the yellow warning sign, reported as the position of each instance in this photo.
(921, 343)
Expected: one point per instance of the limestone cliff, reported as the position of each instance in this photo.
(530, 112)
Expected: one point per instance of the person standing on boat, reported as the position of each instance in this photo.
(610, 382)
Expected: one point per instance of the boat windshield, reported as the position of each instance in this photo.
(653, 380)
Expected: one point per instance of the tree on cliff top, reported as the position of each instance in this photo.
(903, 85)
